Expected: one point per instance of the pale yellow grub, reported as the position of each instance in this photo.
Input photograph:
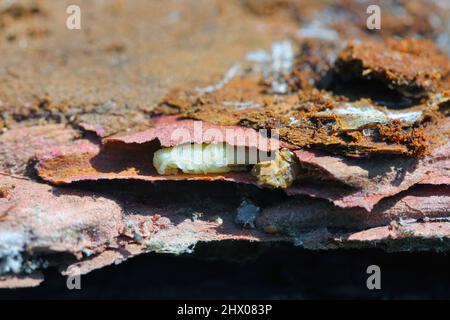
(280, 172)
(193, 159)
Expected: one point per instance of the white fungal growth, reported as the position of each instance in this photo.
(282, 60)
(282, 57)
(354, 117)
(242, 105)
(247, 214)
(11, 246)
(259, 56)
(408, 117)
(317, 30)
(276, 64)
(232, 72)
